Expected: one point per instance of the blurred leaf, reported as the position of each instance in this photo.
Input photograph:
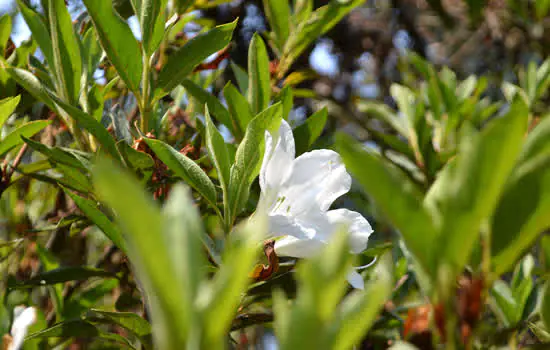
(118, 41)
(522, 213)
(537, 142)
(90, 209)
(239, 108)
(181, 63)
(128, 320)
(504, 304)
(249, 156)
(259, 85)
(278, 14)
(61, 275)
(360, 309)
(182, 5)
(306, 134)
(396, 196)
(545, 306)
(215, 107)
(74, 328)
(148, 250)
(7, 107)
(14, 139)
(185, 168)
(462, 204)
(219, 304)
(67, 65)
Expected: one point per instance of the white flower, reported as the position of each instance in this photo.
(297, 193)
(23, 318)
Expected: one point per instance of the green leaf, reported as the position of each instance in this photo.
(241, 76)
(56, 154)
(361, 308)
(239, 108)
(462, 204)
(61, 275)
(399, 200)
(312, 26)
(306, 134)
(229, 284)
(214, 105)
(182, 62)
(183, 232)
(151, 21)
(30, 83)
(90, 124)
(67, 329)
(90, 209)
(118, 42)
(128, 320)
(286, 96)
(545, 306)
(259, 85)
(185, 168)
(278, 14)
(537, 142)
(148, 250)
(503, 303)
(218, 152)
(135, 159)
(249, 156)
(182, 5)
(5, 32)
(67, 64)
(13, 139)
(39, 30)
(7, 107)
(522, 213)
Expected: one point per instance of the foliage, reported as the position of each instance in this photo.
(128, 202)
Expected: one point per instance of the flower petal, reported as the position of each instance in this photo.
(298, 248)
(278, 158)
(358, 227)
(23, 319)
(356, 280)
(281, 225)
(317, 179)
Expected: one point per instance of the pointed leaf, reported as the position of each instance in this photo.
(118, 42)
(67, 65)
(181, 63)
(259, 85)
(185, 168)
(13, 139)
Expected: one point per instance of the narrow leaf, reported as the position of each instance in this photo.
(259, 85)
(118, 42)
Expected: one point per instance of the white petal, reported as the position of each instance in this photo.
(317, 179)
(356, 280)
(281, 225)
(298, 248)
(359, 228)
(278, 157)
(23, 319)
